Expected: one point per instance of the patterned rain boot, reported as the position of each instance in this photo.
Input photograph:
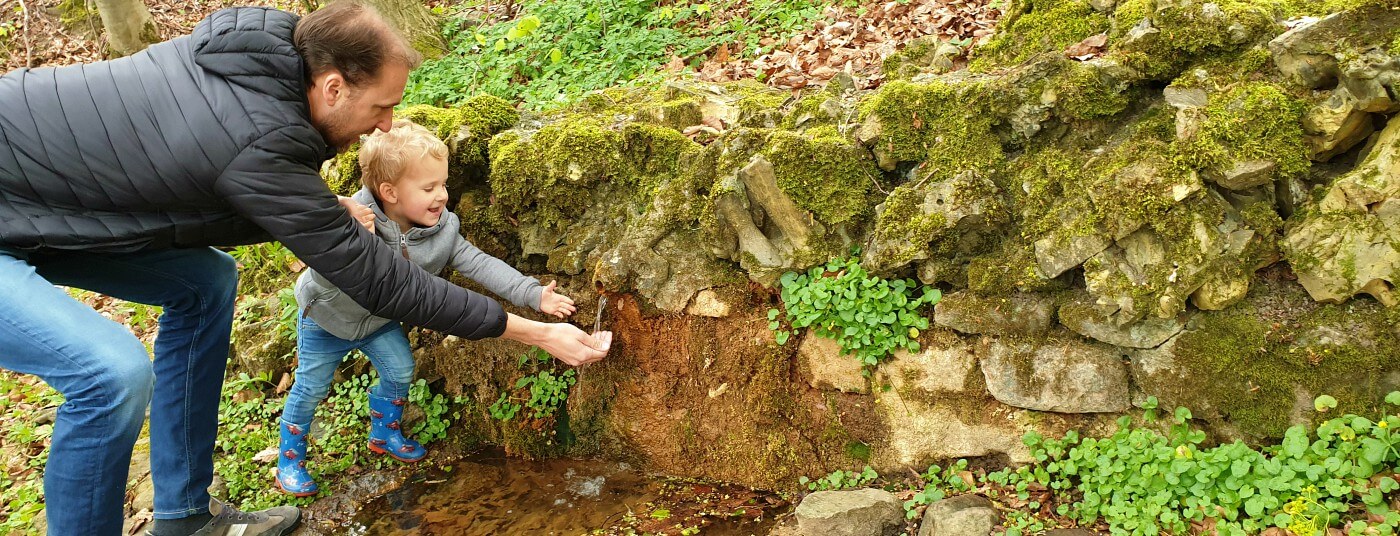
(292, 476)
(385, 436)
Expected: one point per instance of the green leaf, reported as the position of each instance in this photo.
(1393, 398)
(782, 337)
(1373, 450)
(1295, 442)
(1387, 484)
(1182, 415)
(1239, 468)
(1324, 403)
(528, 24)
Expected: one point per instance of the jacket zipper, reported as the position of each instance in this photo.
(403, 246)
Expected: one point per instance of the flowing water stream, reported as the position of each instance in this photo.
(489, 494)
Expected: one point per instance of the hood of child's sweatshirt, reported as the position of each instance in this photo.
(386, 228)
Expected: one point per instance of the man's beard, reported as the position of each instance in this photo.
(338, 135)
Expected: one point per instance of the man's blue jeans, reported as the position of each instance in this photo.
(319, 353)
(108, 379)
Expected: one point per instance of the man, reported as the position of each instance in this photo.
(118, 176)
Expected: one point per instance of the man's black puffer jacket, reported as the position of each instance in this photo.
(204, 140)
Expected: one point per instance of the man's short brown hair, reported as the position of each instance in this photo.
(352, 38)
(385, 155)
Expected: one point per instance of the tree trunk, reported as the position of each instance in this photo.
(420, 26)
(129, 26)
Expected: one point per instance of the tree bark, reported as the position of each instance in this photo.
(421, 27)
(129, 26)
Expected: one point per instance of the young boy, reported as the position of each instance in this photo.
(404, 172)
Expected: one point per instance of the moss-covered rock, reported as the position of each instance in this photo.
(1179, 32)
(1248, 135)
(1088, 90)
(1346, 243)
(553, 172)
(923, 55)
(945, 126)
(824, 173)
(1031, 27)
(1254, 369)
(934, 218)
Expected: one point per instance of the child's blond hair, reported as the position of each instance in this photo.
(385, 155)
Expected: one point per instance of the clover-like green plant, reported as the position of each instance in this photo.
(868, 316)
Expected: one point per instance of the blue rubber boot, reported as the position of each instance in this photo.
(385, 435)
(292, 475)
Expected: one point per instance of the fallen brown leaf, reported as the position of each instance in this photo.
(1090, 46)
(139, 521)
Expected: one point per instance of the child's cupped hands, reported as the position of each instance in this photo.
(554, 303)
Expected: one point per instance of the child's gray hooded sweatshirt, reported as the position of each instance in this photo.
(432, 248)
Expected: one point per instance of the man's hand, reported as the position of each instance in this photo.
(362, 214)
(554, 303)
(566, 342)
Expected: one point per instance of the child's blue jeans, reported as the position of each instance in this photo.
(319, 353)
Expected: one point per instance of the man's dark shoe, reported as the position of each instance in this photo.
(228, 521)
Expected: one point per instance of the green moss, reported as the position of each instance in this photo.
(655, 155)
(1220, 73)
(1136, 183)
(553, 173)
(906, 226)
(827, 176)
(1186, 32)
(1254, 369)
(1248, 122)
(577, 160)
(1268, 227)
(1083, 92)
(1036, 26)
(1128, 13)
(1395, 44)
(1042, 178)
(759, 106)
(807, 113)
(342, 174)
(946, 127)
(910, 60)
(675, 114)
(1011, 267)
(78, 16)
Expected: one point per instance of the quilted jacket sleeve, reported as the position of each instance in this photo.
(269, 184)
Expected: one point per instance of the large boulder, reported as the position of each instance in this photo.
(1064, 375)
(955, 213)
(863, 512)
(1349, 242)
(1315, 54)
(964, 515)
(1087, 319)
(1335, 125)
(967, 312)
